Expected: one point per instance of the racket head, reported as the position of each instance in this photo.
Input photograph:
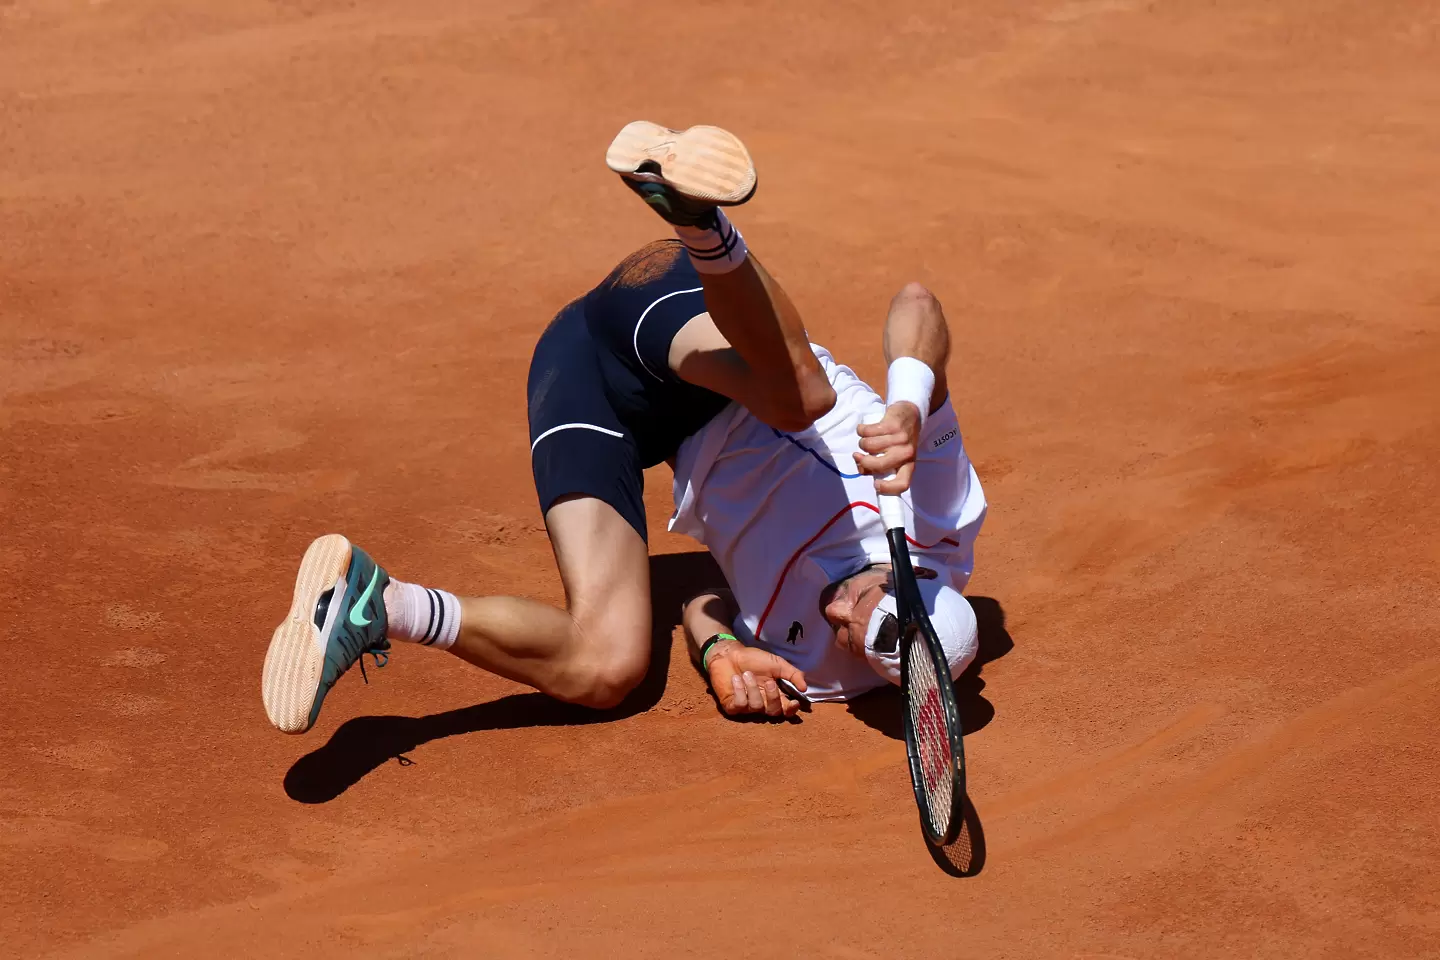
(933, 735)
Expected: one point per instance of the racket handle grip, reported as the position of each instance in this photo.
(892, 511)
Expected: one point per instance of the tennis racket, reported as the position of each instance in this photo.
(932, 719)
(793, 692)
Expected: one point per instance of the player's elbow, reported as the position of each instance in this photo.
(812, 399)
(817, 397)
(916, 294)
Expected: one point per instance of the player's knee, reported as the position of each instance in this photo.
(610, 681)
(610, 663)
(613, 685)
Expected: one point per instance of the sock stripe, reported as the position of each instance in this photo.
(725, 233)
(714, 245)
(726, 243)
(407, 606)
(439, 616)
(426, 638)
(718, 252)
(710, 256)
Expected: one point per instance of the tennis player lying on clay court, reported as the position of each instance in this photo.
(689, 352)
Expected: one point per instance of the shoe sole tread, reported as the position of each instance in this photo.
(294, 662)
(702, 163)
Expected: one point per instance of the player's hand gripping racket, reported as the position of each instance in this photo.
(932, 719)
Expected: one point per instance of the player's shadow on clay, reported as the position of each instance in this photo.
(363, 744)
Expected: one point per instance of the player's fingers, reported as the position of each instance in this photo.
(894, 486)
(725, 681)
(905, 473)
(872, 429)
(891, 456)
(736, 702)
(879, 443)
(787, 671)
(754, 699)
(902, 452)
(875, 466)
(773, 698)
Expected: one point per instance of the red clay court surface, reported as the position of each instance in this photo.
(270, 270)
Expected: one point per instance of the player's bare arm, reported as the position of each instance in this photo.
(742, 677)
(917, 348)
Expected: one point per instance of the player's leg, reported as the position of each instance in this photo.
(589, 479)
(593, 652)
(686, 177)
(597, 649)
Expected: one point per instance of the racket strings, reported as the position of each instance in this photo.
(932, 740)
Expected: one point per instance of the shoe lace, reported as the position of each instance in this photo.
(382, 658)
(356, 646)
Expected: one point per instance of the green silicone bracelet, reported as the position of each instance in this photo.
(710, 645)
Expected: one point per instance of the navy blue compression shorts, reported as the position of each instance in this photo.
(604, 404)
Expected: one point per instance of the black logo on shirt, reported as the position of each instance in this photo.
(797, 632)
(945, 439)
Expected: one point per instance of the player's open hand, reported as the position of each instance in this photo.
(743, 679)
(889, 447)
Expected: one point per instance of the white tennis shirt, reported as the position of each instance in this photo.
(786, 514)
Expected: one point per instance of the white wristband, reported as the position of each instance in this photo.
(913, 381)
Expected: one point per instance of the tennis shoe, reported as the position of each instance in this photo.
(683, 174)
(337, 615)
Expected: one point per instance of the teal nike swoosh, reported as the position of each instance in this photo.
(356, 617)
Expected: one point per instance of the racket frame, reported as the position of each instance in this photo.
(915, 624)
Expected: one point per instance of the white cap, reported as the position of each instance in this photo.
(950, 615)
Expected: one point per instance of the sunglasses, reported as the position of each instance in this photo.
(887, 638)
(888, 635)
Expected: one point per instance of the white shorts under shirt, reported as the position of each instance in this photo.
(787, 514)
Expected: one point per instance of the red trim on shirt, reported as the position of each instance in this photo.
(760, 627)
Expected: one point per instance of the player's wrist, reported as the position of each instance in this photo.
(717, 646)
(910, 381)
(724, 651)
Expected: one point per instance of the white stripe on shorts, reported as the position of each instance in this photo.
(573, 426)
(636, 339)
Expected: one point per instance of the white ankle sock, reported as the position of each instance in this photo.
(421, 615)
(714, 250)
